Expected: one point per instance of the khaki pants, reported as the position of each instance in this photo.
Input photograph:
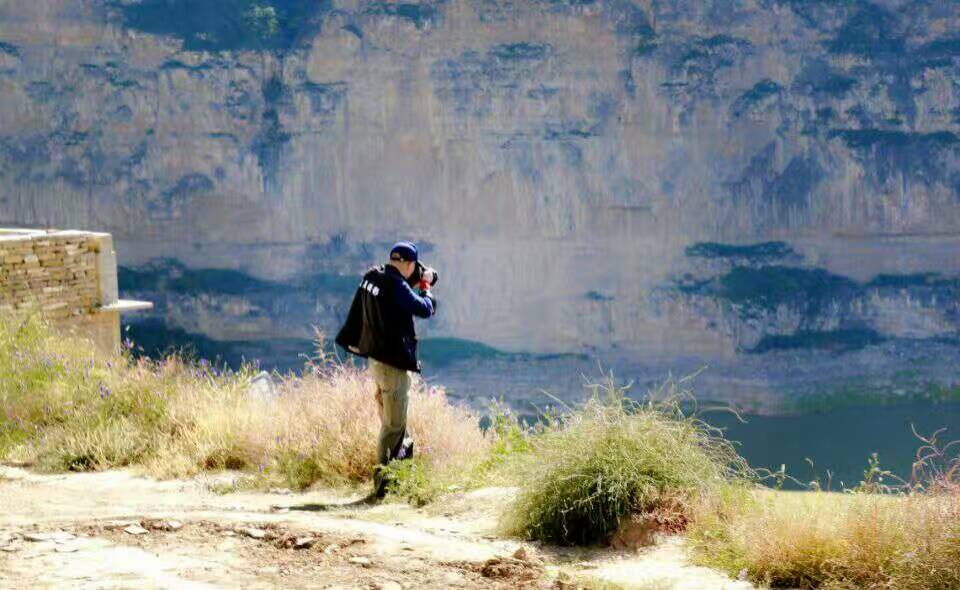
(392, 387)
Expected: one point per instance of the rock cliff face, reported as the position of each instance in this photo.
(656, 182)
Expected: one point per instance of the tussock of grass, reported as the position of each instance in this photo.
(613, 458)
(64, 408)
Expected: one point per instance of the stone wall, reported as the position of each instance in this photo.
(68, 276)
(53, 272)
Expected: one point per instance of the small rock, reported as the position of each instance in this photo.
(253, 533)
(304, 542)
(453, 579)
(229, 534)
(281, 491)
(9, 548)
(65, 548)
(361, 561)
(331, 549)
(227, 544)
(743, 575)
(56, 537)
(168, 525)
(135, 529)
(120, 524)
(520, 553)
(387, 586)
(634, 532)
(262, 387)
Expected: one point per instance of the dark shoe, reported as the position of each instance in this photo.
(371, 500)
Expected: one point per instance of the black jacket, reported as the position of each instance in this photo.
(380, 322)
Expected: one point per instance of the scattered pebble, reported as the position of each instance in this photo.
(168, 525)
(387, 586)
(135, 529)
(253, 533)
(66, 548)
(331, 549)
(361, 561)
(304, 542)
(56, 537)
(453, 579)
(120, 524)
(281, 491)
(227, 545)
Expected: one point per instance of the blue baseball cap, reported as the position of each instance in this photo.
(405, 251)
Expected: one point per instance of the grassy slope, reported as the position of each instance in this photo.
(580, 476)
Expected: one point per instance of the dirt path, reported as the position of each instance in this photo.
(117, 530)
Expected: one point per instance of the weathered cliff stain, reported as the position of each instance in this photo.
(645, 180)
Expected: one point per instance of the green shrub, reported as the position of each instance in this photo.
(615, 457)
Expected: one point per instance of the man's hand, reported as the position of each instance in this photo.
(429, 276)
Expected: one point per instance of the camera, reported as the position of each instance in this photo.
(421, 274)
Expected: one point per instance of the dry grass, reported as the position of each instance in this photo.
(65, 409)
(837, 541)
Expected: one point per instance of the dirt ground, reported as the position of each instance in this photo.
(117, 530)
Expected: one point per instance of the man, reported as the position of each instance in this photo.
(380, 327)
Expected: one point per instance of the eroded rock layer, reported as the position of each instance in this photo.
(657, 183)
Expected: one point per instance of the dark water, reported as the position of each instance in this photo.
(840, 440)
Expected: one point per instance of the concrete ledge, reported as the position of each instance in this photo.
(9, 234)
(125, 305)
